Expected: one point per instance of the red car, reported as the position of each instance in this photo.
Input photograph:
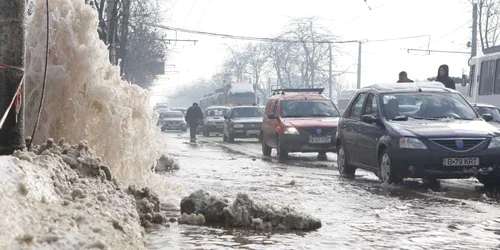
(299, 120)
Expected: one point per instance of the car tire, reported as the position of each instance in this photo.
(282, 154)
(266, 150)
(344, 168)
(183, 130)
(230, 138)
(387, 173)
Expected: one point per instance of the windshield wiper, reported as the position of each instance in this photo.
(443, 117)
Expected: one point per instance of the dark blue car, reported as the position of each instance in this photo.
(411, 130)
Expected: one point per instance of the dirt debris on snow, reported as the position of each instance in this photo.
(61, 196)
(166, 163)
(244, 212)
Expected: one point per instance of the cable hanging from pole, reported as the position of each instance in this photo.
(44, 79)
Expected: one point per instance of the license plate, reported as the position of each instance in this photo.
(320, 140)
(253, 132)
(461, 161)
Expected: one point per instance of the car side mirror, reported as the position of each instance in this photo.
(369, 119)
(487, 117)
(272, 116)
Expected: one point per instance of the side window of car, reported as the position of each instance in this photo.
(269, 107)
(356, 107)
(371, 106)
(275, 108)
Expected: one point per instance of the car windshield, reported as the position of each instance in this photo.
(308, 108)
(489, 110)
(216, 112)
(176, 114)
(247, 112)
(425, 105)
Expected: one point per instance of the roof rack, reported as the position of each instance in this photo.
(283, 91)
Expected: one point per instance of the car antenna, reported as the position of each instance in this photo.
(419, 89)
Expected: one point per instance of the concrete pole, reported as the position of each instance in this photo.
(358, 85)
(474, 30)
(330, 76)
(12, 53)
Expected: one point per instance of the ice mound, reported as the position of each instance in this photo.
(245, 212)
(85, 96)
(166, 163)
(62, 197)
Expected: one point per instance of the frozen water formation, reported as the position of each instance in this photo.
(245, 212)
(166, 163)
(62, 196)
(86, 99)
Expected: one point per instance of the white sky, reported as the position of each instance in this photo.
(447, 22)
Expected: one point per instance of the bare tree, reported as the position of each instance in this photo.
(489, 23)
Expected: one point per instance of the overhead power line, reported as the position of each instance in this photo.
(438, 51)
(270, 39)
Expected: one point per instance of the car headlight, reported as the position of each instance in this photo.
(413, 143)
(495, 142)
(291, 131)
(238, 126)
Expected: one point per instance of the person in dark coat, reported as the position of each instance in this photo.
(444, 78)
(403, 77)
(193, 117)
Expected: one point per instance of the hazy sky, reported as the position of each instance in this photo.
(447, 22)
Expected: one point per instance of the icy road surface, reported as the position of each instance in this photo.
(356, 213)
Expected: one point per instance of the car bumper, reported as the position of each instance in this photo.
(174, 126)
(245, 132)
(415, 163)
(214, 128)
(301, 143)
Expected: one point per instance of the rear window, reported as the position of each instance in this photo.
(177, 114)
(216, 111)
(308, 108)
(247, 112)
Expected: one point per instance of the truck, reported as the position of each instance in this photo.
(233, 94)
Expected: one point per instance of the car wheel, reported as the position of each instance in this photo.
(282, 153)
(230, 138)
(344, 168)
(266, 150)
(387, 174)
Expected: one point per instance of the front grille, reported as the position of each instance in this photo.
(458, 144)
(319, 131)
(252, 125)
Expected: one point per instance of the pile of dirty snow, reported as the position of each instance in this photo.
(62, 196)
(243, 212)
(86, 99)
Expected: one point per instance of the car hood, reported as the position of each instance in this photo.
(312, 122)
(178, 119)
(443, 128)
(247, 120)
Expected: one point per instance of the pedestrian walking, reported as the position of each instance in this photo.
(403, 77)
(194, 115)
(444, 78)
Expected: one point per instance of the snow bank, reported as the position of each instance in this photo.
(62, 196)
(86, 99)
(244, 212)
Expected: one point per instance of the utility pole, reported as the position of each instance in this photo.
(12, 53)
(124, 37)
(330, 76)
(358, 85)
(474, 30)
